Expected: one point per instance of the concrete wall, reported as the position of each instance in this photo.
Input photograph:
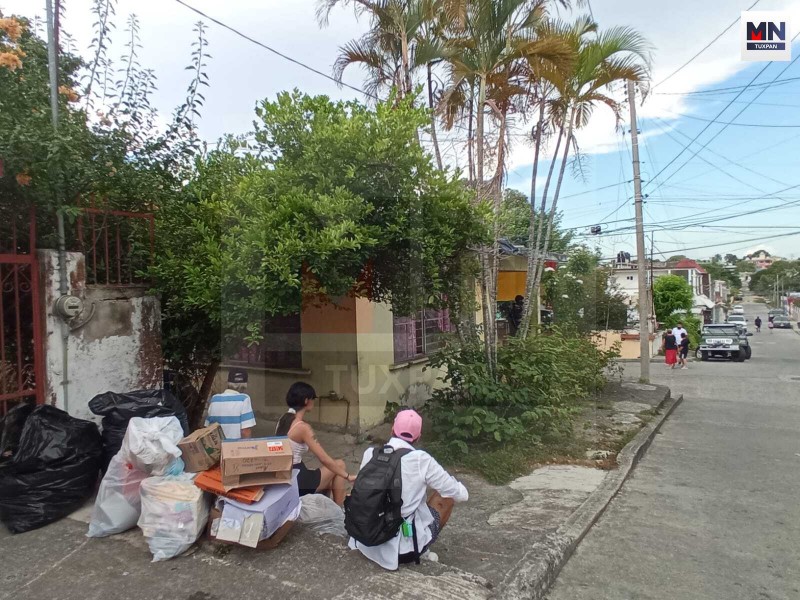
(380, 379)
(118, 349)
(629, 343)
(348, 357)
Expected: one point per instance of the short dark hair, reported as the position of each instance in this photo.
(519, 298)
(296, 398)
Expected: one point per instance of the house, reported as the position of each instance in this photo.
(625, 278)
(762, 259)
(358, 355)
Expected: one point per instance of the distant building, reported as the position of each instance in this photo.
(624, 278)
(762, 259)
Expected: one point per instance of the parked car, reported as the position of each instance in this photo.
(776, 311)
(724, 340)
(781, 322)
(738, 320)
(738, 309)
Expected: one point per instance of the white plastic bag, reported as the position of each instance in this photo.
(149, 448)
(322, 515)
(174, 514)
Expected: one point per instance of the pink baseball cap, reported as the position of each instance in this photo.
(407, 425)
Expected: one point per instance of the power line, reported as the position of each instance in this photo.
(725, 158)
(731, 89)
(685, 148)
(706, 47)
(274, 51)
(729, 123)
(736, 116)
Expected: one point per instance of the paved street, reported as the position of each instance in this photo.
(713, 510)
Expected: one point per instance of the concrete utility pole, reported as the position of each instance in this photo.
(644, 297)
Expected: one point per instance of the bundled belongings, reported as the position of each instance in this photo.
(52, 473)
(149, 448)
(174, 514)
(211, 481)
(256, 461)
(322, 515)
(252, 524)
(201, 449)
(117, 409)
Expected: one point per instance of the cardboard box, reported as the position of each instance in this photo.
(250, 524)
(201, 449)
(211, 481)
(258, 461)
(269, 543)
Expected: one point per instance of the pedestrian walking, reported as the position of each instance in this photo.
(684, 351)
(670, 350)
(678, 332)
(758, 324)
(771, 325)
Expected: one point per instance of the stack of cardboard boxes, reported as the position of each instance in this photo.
(257, 496)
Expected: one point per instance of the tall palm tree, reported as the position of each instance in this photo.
(390, 50)
(602, 60)
(484, 53)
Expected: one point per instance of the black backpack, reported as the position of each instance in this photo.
(372, 510)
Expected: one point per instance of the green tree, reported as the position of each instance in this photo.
(120, 156)
(719, 272)
(731, 259)
(580, 296)
(333, 198)
(601, 60)
(515, 219)
(671, 294)
(784, 273)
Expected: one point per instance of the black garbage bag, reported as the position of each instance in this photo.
(119, 408)
(11, 427)
(53, 472)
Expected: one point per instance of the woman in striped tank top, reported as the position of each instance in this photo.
(332, 476)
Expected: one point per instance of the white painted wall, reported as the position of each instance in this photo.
(118, 350)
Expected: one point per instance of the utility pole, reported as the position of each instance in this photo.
(63, 286)
(644, 309)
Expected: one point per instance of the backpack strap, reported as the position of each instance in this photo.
(416, 543)
(394, 457)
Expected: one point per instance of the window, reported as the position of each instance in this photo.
(280, 348)
(421, 334)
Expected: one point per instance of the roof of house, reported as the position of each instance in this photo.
(688, 263)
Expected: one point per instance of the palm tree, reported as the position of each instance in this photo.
(402, 37)
(484, 57)
(610, 57)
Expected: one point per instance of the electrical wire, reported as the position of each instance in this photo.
(730, 89)
(274, 51)
(706, 47)
(731, 123)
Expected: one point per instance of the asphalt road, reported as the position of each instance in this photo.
(713, 510)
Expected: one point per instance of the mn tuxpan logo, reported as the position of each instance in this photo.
(765, 36)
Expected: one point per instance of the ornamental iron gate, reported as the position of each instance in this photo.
(21, 360)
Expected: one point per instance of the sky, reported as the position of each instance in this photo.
(734, 196)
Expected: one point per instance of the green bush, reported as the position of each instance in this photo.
(534, 394)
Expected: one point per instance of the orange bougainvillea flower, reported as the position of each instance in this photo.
(10, 61)
(71, 95)
(12, 27)
(23, 179)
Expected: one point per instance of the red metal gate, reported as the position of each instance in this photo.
(21, 361)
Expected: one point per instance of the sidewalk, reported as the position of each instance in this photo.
(488, 540)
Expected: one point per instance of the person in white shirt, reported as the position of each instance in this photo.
(232, 408)
(678, 332)
(419, 471)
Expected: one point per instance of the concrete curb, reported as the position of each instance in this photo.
(538, 569)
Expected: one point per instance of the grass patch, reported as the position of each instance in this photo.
(500, 464)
